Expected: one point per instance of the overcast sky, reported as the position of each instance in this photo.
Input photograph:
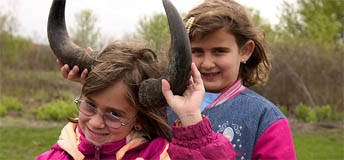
(115, 17)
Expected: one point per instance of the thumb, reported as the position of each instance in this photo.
(166, 91)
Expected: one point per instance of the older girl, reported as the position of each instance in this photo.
(231, 55)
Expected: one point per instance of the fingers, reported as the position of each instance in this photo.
(166, 91)
(196, 75)
(65, 71)
(89, 49)
(83, 75)
(59, 62)
(74, 73)
(191, 82)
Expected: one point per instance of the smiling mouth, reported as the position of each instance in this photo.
(210, 75)
(95, 134)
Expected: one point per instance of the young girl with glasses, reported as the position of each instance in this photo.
(113, 125)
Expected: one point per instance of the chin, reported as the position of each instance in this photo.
(95, 142)
(210, 88)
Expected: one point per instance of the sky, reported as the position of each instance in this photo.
(116, 18)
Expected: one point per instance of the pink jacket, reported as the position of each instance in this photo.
(192, 142)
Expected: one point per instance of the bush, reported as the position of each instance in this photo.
(337, 116)
(302, 112)
(3, 110)
(323, 112)
(57, 110)
(311, 116)
(283, 109)
(11, 103)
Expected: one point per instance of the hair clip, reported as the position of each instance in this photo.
(189, 23)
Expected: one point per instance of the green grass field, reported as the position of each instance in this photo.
(320, 145)
(25, 143)
(20, 141)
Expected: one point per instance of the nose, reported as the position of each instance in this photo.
(96, 121)
(207, 62)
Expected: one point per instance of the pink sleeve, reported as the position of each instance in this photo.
(55, 153)
(275, 143)
(199, 142)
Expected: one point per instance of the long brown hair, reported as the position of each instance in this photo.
(212, 15)
(130, 63)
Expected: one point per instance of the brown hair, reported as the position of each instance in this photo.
(130, 63)
(212, 15)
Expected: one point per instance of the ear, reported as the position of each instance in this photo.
(246, 51)
(138, 127)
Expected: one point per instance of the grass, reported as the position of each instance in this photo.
(319, 145)
(20, 141)
(26, 143)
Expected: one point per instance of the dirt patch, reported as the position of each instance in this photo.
(29, 122)
(297, 125)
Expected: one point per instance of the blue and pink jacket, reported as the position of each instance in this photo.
(256, 128)
(191, 142)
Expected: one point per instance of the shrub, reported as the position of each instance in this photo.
(323, 112)
(311, 116)
(302, 112)
(283, 109)
(337, 116)
(11, 103)
(3, 110)
(57, 110)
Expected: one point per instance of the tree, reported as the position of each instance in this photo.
(320, 20)
(85, 33)
(12, 47)
(270, 32)
(8, 23)
(155, 30)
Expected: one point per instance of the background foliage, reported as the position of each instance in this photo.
(85, 33)
(306, 81)
(307, 56)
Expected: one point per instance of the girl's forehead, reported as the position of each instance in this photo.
(217, 35)
(113, 97)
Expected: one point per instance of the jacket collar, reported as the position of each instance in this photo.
(229, 93)
(73, 141)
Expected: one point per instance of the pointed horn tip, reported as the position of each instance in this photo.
(61, 44)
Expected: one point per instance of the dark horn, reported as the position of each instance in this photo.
(61, 44)
(178, 72)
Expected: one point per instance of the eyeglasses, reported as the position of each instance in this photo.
(110, 118)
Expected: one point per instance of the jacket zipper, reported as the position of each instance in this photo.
(97, 153)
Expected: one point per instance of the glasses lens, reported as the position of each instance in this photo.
(112, 121)
(86, 108)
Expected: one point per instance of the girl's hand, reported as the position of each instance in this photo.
(188, 106)
(73, 74)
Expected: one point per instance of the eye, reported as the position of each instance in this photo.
(196, 51)
(220, 50)
(90, 104)
(114, 114)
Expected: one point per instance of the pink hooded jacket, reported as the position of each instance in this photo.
(191, 142)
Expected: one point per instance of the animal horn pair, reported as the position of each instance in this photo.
(178, 71)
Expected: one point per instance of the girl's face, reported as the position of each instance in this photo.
(218, 58)
(110, 100)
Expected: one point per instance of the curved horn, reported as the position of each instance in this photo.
(61, 44)
(178, 72)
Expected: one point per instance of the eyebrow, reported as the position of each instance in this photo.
(223, 48)
(108, 108)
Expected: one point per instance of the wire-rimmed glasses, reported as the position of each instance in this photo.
(109, 119)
